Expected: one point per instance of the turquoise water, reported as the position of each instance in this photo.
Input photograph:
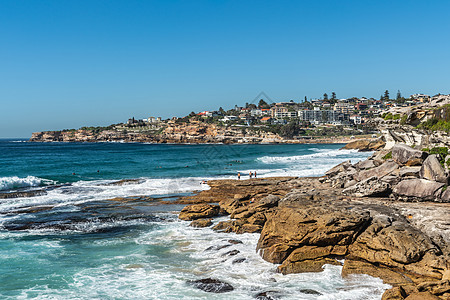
(74, 242)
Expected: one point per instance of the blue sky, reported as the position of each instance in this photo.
(66, 64)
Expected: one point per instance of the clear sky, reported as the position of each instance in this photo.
(67, 64)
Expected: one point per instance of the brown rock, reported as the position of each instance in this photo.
(422, 296)
(315, 265)
(198, 211)
(365, 145)
(414, 162)
(362, 267)
(395, 293)
(200, 223)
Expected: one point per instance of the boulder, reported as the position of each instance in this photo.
(445, 197)
(420, 189)
(211, 285)
(229, 205)
(432, 170)
(409, 171)
(365, 164)
(422, 296)
(310, 292)
(380, 171)
(365, 145)
(396, 293)
(201, 223)
(291, 228)
(371, 187)
(402, 153)
(198, 211)
(339, 168)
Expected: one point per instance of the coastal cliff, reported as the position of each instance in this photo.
(184, 133)
(361, 213)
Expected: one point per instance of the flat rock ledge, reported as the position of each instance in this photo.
(308, 222)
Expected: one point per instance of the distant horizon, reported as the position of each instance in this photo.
(68, 64)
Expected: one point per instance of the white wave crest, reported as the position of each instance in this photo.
(319, 154)
(14, 182)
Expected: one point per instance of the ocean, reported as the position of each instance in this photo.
(76, 240)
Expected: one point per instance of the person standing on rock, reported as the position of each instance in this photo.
(239, 175)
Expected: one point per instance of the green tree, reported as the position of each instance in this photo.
(333, 96)
(386, 95)
(325, 96)
(306, 99)
(263, 104)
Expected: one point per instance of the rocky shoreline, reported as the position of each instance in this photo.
(367, 214)
(191, 133)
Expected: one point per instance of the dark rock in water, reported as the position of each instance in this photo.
(22, 194)
(126, 181)
(231, 253)
(235, 242)
(211, 285)
(310, 292)
(269, 295)
(211, 248)
(238, 260)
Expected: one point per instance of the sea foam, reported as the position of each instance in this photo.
(14, 182)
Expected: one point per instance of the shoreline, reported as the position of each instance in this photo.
(305, 223)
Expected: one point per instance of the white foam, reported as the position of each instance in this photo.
(14, 182)
(85, 191)
(320, 153)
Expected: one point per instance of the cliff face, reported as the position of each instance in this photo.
(169, 133)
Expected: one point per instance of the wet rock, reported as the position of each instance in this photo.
(234, 241)
(216, 248)
(22, 194)
(211, 285)
(126, 182)
(238, 260)
(201, 223)
(402, 153)
(231, 253)
(432, 170)
(310, 292)
(198, 211)
(417, 189)
(269, 295)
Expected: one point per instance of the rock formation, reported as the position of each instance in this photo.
(365, 213)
